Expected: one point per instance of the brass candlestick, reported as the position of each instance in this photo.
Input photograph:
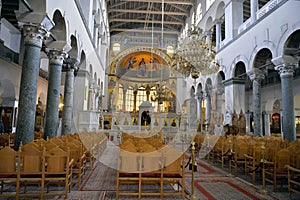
(263, 161)
(208, 150)
(230, 157)
(192, 196)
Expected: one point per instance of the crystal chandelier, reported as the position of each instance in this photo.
(195, 54)
(161, 94)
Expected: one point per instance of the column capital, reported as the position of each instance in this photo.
(218, 21)
(256, 75)
(71, 63)
(57, 51)
(34, 34)
(285, 64)
(56, 56)
(35, 27)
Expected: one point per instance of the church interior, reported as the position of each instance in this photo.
(161, 99)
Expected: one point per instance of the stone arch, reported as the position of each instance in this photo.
(269, 104)
(199, 88)
(59, 30)
(219, 80)
(239, 70)
(236, 60)
(261, 55)
(208, 85)
(74, 52)
(292, 45)
(286, 37)
(208, 23)
(220, 11)
(262, 58)
(82, 63)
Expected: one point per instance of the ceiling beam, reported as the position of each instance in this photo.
(143, 31)
(142, 21)
(178, 2)
(143, 11)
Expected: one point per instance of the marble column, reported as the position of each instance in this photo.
(134, 100)
(267, 123)
(256, 76)
(91, 95)
(254, 9)
(208, 109)
(67, 115)
(218, 34)
(199, 103)
(33, 39)
(56, 58)
(124, 99)
(285, 67)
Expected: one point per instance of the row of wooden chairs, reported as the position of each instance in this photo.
(30, 166)
(272, 157)
(148, 161)
(7, 139)
(29, 162)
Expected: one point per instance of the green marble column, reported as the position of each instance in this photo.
(33, 39)
(67, 115)
(256, 76)
(55, 68)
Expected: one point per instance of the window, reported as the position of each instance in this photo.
(129, 100)
(199, 13)
(116, 47)
(209, 3)
(120, 99)
(170, 49)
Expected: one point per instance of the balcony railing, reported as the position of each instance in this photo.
(267, 8)
(260, 13)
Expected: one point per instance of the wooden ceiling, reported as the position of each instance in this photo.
(124, 15)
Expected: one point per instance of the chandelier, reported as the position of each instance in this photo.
(195, 54)
(161, 94)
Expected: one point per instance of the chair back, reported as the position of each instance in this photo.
(8, 160)
(56, 161)
(283, 158)
(31, 159)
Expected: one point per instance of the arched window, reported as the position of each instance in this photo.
(209, 3)
(120, 98)
(170, 49)
(116, 47)
(199, 13)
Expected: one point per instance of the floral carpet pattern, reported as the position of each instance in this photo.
(210, 182)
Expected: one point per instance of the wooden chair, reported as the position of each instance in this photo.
(151, 172)
(294, 173)
(9, 171)
(129, 166)
(277, 168)
(173, 171)
(238, 160)
(253, 162)
(56, 170)
(78, 158)
(30, 172)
